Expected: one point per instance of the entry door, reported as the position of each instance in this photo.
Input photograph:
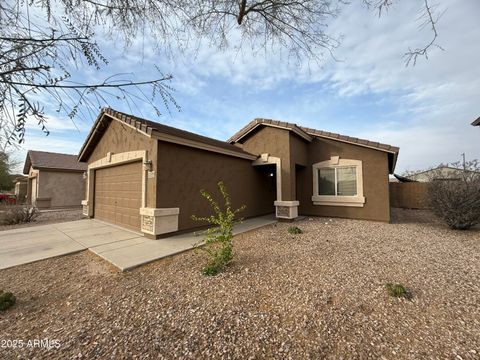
(118, 192)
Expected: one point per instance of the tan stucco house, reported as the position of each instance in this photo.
(54, 180)
(147, 176)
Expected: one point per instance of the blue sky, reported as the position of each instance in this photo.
(426, 110)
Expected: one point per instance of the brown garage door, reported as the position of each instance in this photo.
(118, 192)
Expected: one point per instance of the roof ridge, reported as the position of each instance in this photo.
(311, 132)
(50, 152)
(162, 132)
(134, 117)
(359, 141)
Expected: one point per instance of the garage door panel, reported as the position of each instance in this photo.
(118, 192)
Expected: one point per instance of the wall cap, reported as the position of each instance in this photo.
(286, 203)
(159, 211)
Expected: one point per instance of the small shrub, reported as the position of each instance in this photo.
(218, 239)
(7, 299)
(455, 197)
(16, 214)
(397, 290)
(294, 230)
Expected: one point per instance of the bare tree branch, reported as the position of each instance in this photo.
(428, 19)
(35, 57)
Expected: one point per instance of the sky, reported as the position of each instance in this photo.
(366, 91)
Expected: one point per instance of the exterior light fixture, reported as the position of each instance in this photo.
(147, 165)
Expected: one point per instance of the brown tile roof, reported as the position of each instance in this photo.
(476, 122)
(50, 160)
(268, 122)
(310, 132)
(349, 139)
(149, 127)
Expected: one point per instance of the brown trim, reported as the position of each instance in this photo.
(57, 170)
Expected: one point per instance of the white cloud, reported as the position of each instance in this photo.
(438, 97)
(426, 109)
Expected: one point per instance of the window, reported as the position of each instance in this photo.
(341, 181)
(338, 182)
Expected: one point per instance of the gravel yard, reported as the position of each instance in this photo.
(320, 294)
(49, 217)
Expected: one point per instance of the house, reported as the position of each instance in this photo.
(147, 176)
(439, 173)
(54, 180)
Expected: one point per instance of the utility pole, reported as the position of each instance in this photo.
(463, 156)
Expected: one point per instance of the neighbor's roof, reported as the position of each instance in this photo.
(442, 167)
(308, 133)
(50, 160)
(476, 122)
(160, 131)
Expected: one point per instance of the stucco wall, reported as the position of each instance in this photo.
(375, 181)
(275, 142)
(184, 171)
(297, 158)
(298, 162)
(120, 138)
(65, 189)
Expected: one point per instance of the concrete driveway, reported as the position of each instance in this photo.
(24, 245)
(123, 248)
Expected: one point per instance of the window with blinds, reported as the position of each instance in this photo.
(337, 181)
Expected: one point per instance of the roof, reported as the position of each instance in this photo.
(442, 167)
(403, 178)
(159, 131)
(252, 125)
(308, 133)
(50, 160)
(476, 122)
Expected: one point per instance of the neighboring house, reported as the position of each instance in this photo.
(54, 180)
(21, 189)
(476, 122)
(439, 173)
(147, 177)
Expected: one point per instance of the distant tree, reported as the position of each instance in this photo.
(454, 197)
(6, 178)
(43, 42)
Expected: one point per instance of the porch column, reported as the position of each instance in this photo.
(283, 209)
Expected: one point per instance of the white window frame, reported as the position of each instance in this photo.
(335, 200)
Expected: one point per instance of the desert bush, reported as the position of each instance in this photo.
(397, 290)
(455, 198)
(17, 214)
(294, 230)
(7, 299)
(218, 239)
